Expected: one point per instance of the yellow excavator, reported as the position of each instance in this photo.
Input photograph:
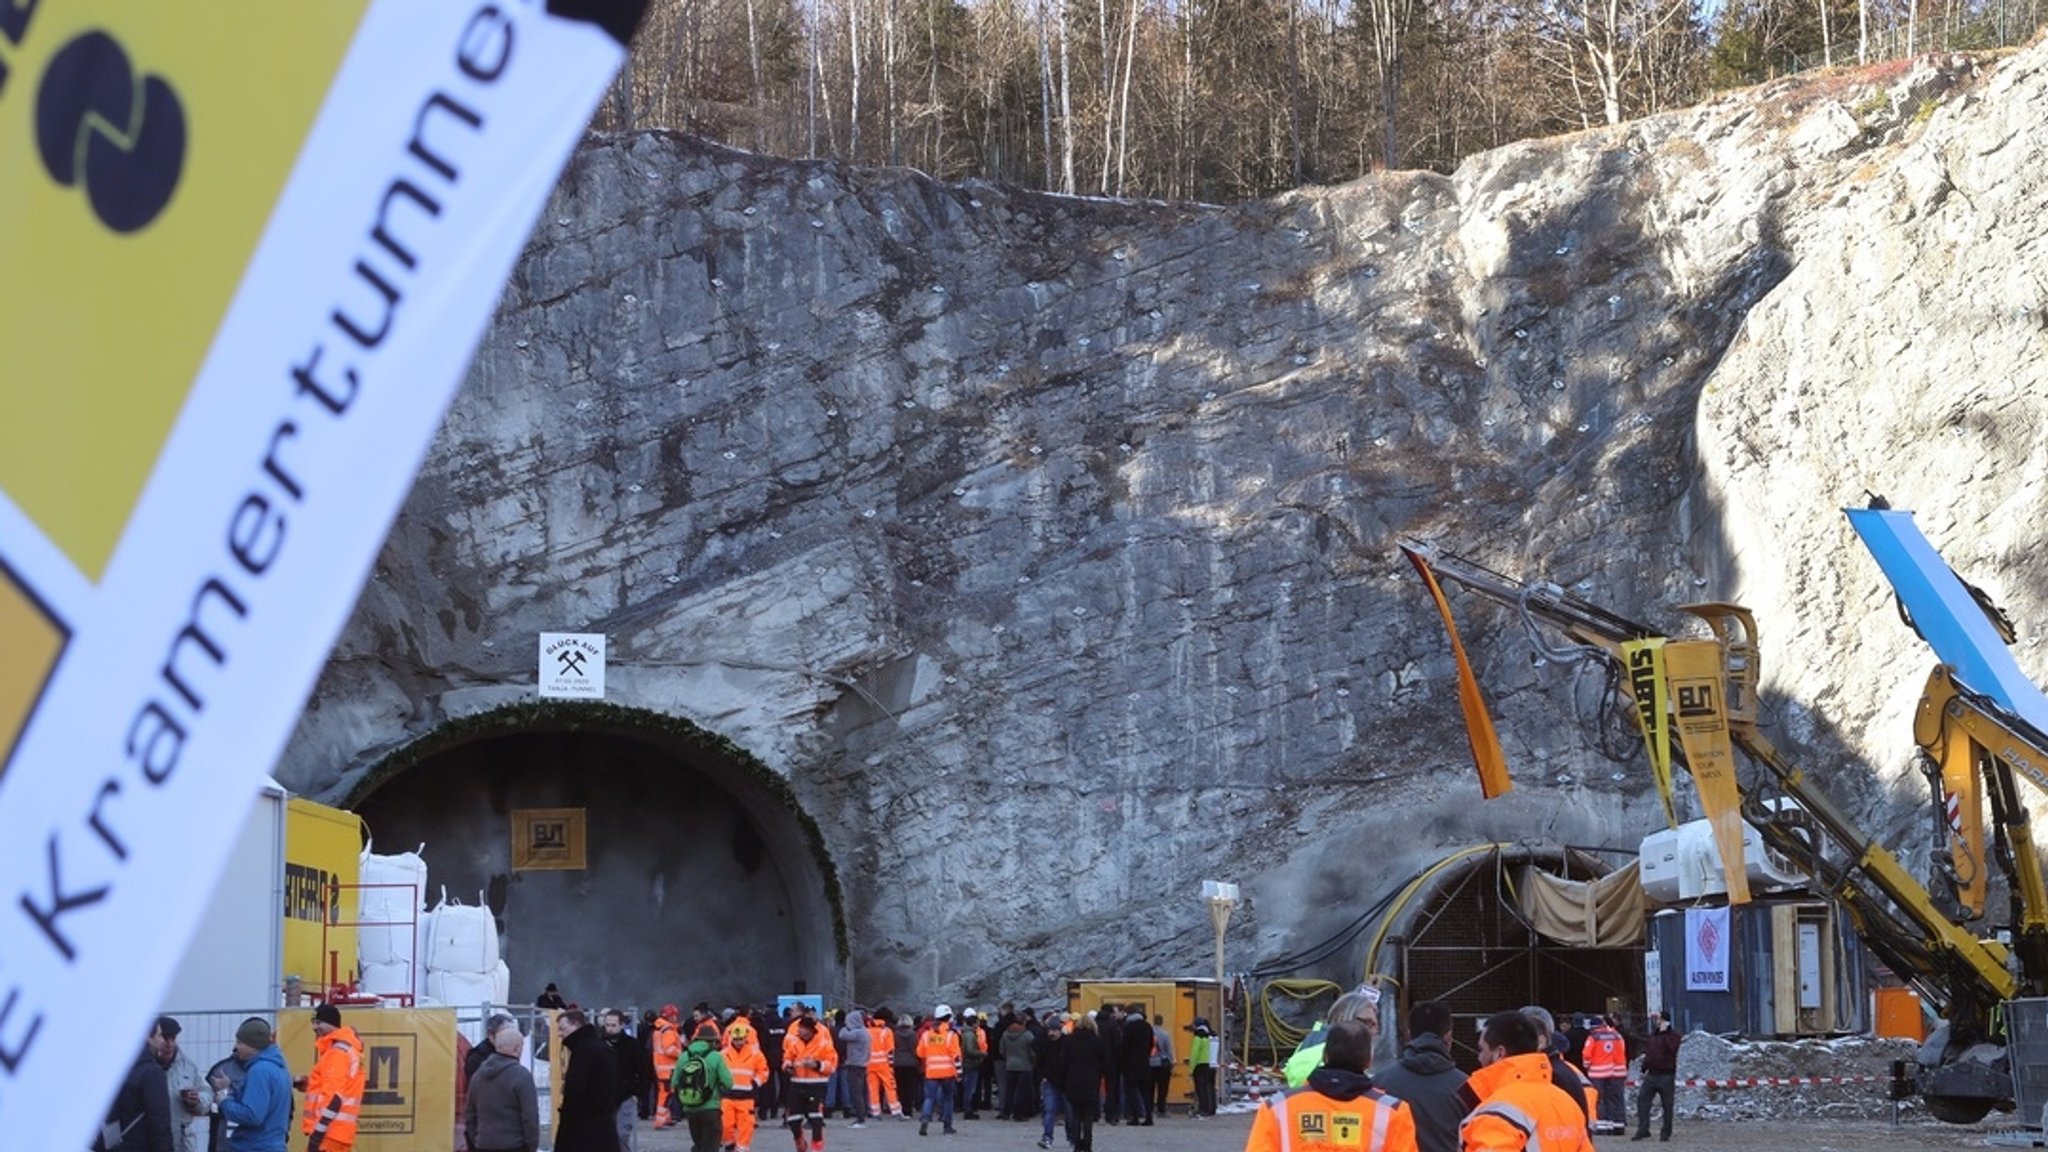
(1973, 745)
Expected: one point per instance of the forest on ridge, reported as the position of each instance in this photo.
(1225, 100)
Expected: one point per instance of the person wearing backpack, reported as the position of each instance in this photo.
(698, 1086)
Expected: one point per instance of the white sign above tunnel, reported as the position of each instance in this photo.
(571, 666)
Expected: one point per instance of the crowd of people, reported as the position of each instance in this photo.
(1528, 1093)
(724, 1073)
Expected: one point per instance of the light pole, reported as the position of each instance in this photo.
(1221, 899)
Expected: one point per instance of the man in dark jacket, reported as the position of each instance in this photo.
(502, 1112)
(635, 1069)
(482, 1052)
(1134, 1062)
(140, 1119)
(1660, 1076)
(1427, 1080)
(590, 1090)
(1109, 1037)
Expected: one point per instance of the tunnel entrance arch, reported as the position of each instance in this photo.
(703, 878)
(1456, 934)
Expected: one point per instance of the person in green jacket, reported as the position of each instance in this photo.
(1203, 1056)
(698, 1086)
(1361, 1003)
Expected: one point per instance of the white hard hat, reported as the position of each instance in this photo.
(941, 1012)
(967, 1013)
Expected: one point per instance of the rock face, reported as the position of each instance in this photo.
(1045, 546)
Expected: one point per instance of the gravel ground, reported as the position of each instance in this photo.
(1227, 1134)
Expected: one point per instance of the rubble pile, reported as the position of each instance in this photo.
(1864, 1061)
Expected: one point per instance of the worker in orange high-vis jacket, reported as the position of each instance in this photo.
(739, 1020)
(1606, 1063)
(334, 1088)
(1337, 1107)
(938, 1056)
(668, 1049)
(749, 1078)
(1519, 1109)
(808, 1061)
(882, 1095)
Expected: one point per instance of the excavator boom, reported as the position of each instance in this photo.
(1963, 975)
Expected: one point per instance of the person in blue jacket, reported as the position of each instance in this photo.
(259, 1110)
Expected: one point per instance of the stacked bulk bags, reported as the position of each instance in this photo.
(387, 944)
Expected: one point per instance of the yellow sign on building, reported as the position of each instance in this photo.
(547, 839)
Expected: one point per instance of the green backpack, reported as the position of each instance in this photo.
(693, 1082)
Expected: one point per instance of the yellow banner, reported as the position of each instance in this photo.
(322, 863)
(1645, 663)
(1694, 670)
(250, 249)
(34, 641)
(409, 1099)
(1487, 756)
(161, 136)
(547, 839)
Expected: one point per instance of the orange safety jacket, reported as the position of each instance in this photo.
(334, 1088)
(1305, 1120)
(939, 1051)
(1520, 1110)
(739, 1020)
(749, 1070)
(668, 1047)
(881, 1044)
(809, 1062)
(1606, 1054)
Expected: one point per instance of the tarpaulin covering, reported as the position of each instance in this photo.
(1603, 913)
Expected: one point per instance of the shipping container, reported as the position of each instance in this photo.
(1794, 967)
(1180, 1000)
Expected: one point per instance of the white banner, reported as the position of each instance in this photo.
(251, 248)
(571, 666)
(1706, 949)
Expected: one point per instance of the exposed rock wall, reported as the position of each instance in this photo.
(1046, 544)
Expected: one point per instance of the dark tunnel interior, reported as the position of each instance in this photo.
(697, 885)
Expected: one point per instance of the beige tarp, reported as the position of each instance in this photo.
(1604, 913)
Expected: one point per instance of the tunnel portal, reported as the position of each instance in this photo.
(702, 878)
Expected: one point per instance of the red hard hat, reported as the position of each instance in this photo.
(670, 1011)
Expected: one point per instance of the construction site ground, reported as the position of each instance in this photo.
(1815, 1095)
(1227, 1133)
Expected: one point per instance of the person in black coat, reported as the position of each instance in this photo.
(140, 1119)
(590, 1090)
(1080, 1079)
(1109, 1029)
(1428, 1080)
(636, 1070)
(1134, 1062)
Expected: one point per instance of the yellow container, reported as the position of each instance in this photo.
(1898, 1014)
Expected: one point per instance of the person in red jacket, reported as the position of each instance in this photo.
(334, 1088)
(1519, 1108)
(808, 1061)
(1605, 1059)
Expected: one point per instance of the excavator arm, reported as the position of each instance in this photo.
(1897, 917)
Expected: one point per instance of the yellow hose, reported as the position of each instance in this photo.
(1372, 953)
